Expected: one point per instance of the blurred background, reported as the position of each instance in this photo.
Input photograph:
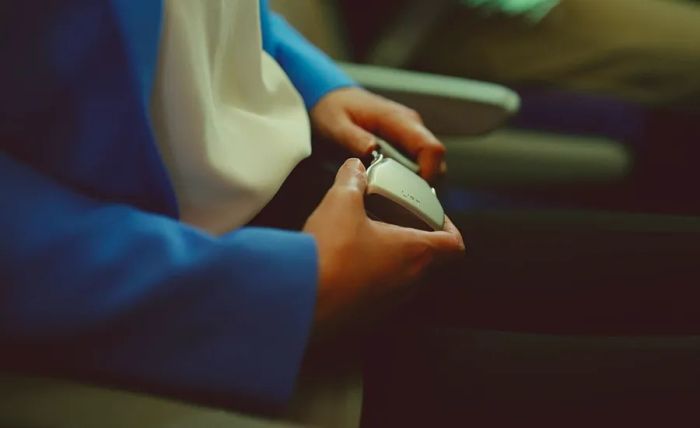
(595, 108)
(609, 90)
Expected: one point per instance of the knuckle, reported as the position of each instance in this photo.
(346, 131)
(333, 194)
(350, 191)
(355, 172)
(360, 174)
(355, 193)
(413, 114)
(401, 113)
(392, 114)
(421, 252)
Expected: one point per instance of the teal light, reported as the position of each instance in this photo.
(534, 10)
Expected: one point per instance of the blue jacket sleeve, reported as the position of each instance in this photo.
(311, 71)
(107, 291)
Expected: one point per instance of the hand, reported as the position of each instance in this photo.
(363, 262)
(352, 116)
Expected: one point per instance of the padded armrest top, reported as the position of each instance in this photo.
(449, 105)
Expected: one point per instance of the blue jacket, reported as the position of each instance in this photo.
(98, 279)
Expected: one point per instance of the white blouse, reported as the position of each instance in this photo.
(228, 122)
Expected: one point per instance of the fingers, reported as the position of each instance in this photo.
(351, 116)
(403, 126)
(430, 158)
(332, 120)
(448, 240)
(420, 142)
(451, 231)
(445, 242)
(346, 196)
(354, 138)
(352, 175)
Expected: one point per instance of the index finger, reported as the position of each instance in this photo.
(448, 240)
(450, 229)
(416, 139)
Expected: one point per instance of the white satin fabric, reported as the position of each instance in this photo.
(229, 124)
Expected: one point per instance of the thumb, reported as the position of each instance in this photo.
(352, 176)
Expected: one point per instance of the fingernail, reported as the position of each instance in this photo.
(355, 163)
(371, 144)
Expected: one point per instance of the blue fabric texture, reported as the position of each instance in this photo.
(97, 276)
(311, 71)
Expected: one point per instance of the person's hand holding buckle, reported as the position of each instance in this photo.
(366, 264)
(352, 117)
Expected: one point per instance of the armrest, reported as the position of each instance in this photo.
(516, 159)
(448, 105)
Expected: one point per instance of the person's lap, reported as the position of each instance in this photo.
(38, 402)
(549, 303)
(556, 271)
(551, 309)
(461, 376)
(547, 269)
(563, 283)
